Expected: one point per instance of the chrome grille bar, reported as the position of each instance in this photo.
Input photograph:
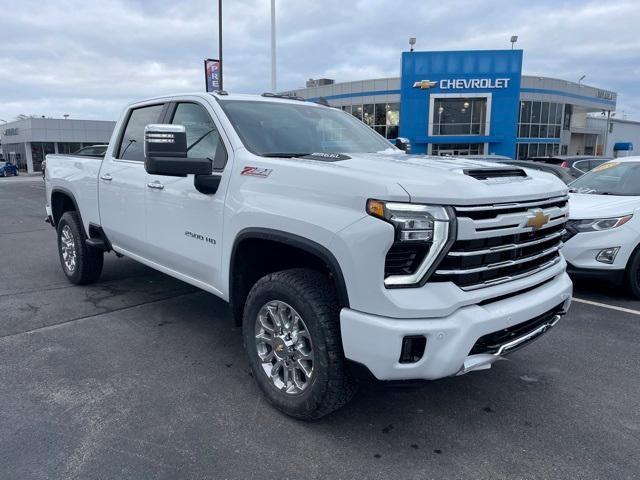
(510, 278)
(500, 206)
(511, 246)
(508, 263)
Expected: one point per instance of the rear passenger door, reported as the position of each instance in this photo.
(122, 183)
(184, 226)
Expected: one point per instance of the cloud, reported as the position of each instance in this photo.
(89, 58)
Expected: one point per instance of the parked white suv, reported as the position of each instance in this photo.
(603, 232)
(333, 247)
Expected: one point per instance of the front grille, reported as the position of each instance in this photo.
(492, 342)
(495, 245)
(404, 258)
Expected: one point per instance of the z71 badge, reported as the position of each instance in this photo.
(255, 171)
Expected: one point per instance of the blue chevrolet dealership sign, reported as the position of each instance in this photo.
(491, 74)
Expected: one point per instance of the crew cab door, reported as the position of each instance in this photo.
(122, 182)
(184, 225)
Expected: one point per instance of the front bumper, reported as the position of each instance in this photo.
(608, 275)
(376, 342)
(581, 250)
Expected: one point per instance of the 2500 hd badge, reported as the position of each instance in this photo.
(199, 236)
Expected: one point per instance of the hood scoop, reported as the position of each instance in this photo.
(495, 173)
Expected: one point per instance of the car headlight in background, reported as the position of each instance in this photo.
(598, 224)
(421, 234)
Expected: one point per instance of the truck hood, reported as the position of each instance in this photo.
(586, 206)
(444, 180)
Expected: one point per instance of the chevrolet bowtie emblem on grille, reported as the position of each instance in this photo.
(424, 84)
(537, 220)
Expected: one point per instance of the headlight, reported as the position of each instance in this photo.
(421, 235)
(598, 224)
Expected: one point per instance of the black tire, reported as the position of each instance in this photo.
(88, 261)
(313, 296)
(632, 276)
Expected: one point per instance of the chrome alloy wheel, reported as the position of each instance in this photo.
(284, 347)
(68, 248)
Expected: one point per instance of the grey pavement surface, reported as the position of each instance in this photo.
(141, 376)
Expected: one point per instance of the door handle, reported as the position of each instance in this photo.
(106, 177)
(157, 185)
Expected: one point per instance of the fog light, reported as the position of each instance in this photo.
(412, 348)
(607, 255)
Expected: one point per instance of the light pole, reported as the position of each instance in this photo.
(273, 46)
(580, 80)
(220, 41)
(412, 42)
(514, 39)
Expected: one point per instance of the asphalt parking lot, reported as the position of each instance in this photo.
(142, 376)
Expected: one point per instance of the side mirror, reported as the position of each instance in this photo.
(403, 144)
(165, 152)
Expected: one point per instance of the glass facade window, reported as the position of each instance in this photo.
(457, 149)
(540, 119)
(15, 153)
(69, 147)
(459, 116)
(384, 118)
(39, 150)
(529, 150)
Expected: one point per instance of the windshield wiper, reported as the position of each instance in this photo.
(285, 154)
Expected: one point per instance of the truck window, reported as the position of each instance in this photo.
(203, 138)
(132, 144)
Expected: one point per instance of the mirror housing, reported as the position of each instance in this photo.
(165, 152)
(403, 144)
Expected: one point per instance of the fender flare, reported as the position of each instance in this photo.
(69, 194)
(296, 241)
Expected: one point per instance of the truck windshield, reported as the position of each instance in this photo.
(610, 178)
(288, 129)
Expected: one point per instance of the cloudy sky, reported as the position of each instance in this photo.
(88, 58)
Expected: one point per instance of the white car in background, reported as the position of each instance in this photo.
(603, 232)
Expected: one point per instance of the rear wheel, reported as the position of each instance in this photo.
(80, 263)
(291, 334)
(633, 274)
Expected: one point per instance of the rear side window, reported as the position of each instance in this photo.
(132, 144)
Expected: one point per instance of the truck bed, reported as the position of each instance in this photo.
(78, 175)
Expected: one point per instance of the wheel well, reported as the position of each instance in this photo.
(253, 258)
(61, 202)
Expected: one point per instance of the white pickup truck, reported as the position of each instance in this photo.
(338, 252)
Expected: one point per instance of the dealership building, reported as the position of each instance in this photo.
(477, 103)
(25, 142)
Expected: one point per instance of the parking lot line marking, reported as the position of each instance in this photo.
(606, 305)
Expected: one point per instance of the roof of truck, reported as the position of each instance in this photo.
(222, 95)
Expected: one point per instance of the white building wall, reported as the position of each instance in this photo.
(620, 131)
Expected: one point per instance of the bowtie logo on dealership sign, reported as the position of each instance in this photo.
(424, 84)
(464, 83)
(537, 220)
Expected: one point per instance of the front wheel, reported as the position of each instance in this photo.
(292, 337)
(633, 274)
(80, 263)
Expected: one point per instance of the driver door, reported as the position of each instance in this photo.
(184, 226)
